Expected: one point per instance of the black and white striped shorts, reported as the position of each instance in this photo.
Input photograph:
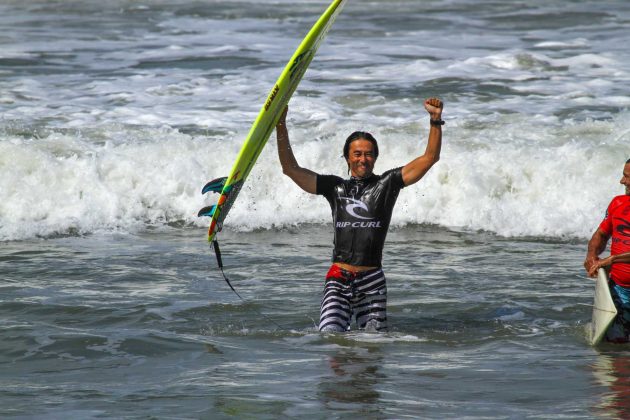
(347, 294)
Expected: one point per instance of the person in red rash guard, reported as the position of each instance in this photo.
(616, 225)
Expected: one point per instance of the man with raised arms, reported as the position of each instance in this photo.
(361, 208)
(616, 225)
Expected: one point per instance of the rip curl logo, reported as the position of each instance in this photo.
(352, 208)
(624, 227)
(355, 205)
(359, 224)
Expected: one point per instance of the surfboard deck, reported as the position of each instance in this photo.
(604, 310)
(268, 117)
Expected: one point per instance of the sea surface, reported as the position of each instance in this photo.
(114, 114)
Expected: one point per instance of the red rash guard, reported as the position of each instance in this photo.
(616, 224)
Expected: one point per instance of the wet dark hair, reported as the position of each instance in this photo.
(628, 161)
(359, 135)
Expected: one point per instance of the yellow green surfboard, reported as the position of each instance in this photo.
(279, 96)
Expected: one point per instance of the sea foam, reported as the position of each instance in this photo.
(504, 177)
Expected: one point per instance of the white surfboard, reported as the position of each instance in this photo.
(604, 310)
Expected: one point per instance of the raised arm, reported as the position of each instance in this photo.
(417, 168)
(596, 246)
(304, 178)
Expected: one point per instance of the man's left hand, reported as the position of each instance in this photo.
(434, 108)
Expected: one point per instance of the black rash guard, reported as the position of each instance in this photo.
(362, 210)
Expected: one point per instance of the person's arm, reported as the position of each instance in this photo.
(304, 178)
(608, 261)
(417, 168)
(596, 246)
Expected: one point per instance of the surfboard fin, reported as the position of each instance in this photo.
(206, 211)
(216, 185)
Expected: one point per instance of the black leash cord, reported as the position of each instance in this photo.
(217, 252)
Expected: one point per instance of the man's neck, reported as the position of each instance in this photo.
(361, 178)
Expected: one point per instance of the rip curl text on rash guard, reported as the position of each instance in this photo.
(361, 210)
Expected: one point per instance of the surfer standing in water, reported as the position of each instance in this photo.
(616, 224)
(362, 208)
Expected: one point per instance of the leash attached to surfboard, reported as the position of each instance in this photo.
(277, 99)
(217, 252)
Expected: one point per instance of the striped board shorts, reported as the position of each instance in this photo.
(346, 294)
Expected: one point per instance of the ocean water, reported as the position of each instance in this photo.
(113, 115)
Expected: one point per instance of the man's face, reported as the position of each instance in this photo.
(361, 158)
(625, 179)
